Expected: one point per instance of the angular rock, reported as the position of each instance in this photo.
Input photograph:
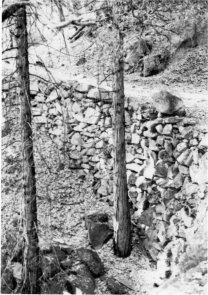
(129, 157)
(115, 287)
(50, 266)
(135, 138)
(75, 155)
(199, 173)
(59, 253)
(166, 103)
(183, 157)
(204, 142)
(160, 140)
(76, 108)
(92, 116)
(177, 181)
(167, 130)
(40, 119)
(186, 132)
(183, 169)
(99, 234)
(159, 128)
(83, 88)
(53, 96)
(149, 134)
(153, 145)
(81, 283)
(96, 217)
(92, 261)
(161, 169)
(66, 264)
(100, 94)
(134, 167)
(173, 120)
(132, 178)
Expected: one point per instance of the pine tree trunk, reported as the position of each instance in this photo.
(122, 222)
(31, 249)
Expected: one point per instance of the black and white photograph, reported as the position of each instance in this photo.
(104, 147)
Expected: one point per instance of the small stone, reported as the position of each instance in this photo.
(75, 155)
(153, 145)
(132, 193)
(101, 94)
(53, 112)
(183, 169)
(183, 156)
(204, 142)
(129, 157)
(160, 140)
(95, 158)
(172, 120)
(134, 167)
(83, 88)
(53, 96)
(149, 134)
(186, 132)
(36, 111)
(140, 181)
(40, 119)
(159, 128)
(168, 147)
(76, 139)
(132, 178)
(108, 122)
(161, 169)
(167, 130)
(163, 155)
(181, 147)
(193, 142)
(80, 127)
(177, 181)
(103, 191)
(99, 144)
(92, 116)
(76, 108)
(40, 98)
(135, 139)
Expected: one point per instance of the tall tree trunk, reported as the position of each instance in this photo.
(122, 222)
(31, 249)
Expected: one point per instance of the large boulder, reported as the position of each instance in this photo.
(115, 287)
(91, 260)
(134, 54)
(80, 280)
(99, 234)
(154, 63)
(167, 103)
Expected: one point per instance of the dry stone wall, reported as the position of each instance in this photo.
(166, 159)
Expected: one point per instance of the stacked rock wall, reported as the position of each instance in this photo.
(166, 158)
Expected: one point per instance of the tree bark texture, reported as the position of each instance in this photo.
(31, 249)
(122, 222)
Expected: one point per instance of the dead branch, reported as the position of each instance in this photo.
(82, 21)
(11, 9)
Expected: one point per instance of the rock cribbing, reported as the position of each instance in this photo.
(166, 160)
